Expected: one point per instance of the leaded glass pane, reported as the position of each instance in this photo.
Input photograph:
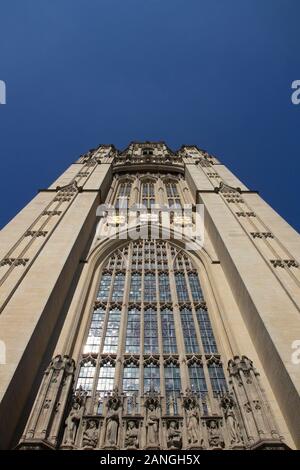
(118, 287)
(181, 287)
(164, 288)
(150, 331)
(131, 379)
(133, 331)
(168, 331)
(195, 287)
(197, 379)
(104, 287)
(92, 344)
(151, 378)
(207, 335)
(86, 376)
(149, 288)
(106, 379)
(112, 331)
(135, 288)
(217, 378)
(189, 332)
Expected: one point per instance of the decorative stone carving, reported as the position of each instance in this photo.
(260, 426)
(152, 425)
(14, 261)
(72, 423)
(47, 416)
(36, 233)
(215, 439)
(262, 234)
(191, 406)
(245, 214)
(54, 212)
(132, 435)
(228, 405)
(152, 404)
(174, 439)
(91, 434)
(284, 263)
(112, 419)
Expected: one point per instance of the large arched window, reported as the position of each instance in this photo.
(150, 311)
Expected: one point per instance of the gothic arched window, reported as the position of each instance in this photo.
(155, 311)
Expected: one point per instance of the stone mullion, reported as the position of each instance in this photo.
(123, 324)
(142, 313)
(159, 327)
(177, 324)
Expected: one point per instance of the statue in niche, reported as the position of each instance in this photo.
(174, 440)
(132, 404)
(171, 406)
(192, 421)
(112, 426)
(214, 435)
(72, 423)
(90, 435)
(113, 418)
(152, 425)
(132, 435)
(228, 404)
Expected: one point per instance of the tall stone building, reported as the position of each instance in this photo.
(138, 342)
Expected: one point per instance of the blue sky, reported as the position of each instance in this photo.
(216, 73)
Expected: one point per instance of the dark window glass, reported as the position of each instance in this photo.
(189, 332)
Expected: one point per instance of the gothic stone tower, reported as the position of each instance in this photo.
(138, 343)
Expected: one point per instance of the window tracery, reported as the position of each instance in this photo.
(163, 302)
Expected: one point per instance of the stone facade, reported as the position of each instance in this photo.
(141, 344)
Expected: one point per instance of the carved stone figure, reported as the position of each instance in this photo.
(171, 406)
(152, 425)
(132, 404)
(174, 440)
(192, 424)
(228, 404)
(90, 435)
(132, 435)
(113, 418)
(112, 425)
(72, 423)
(214, 435)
